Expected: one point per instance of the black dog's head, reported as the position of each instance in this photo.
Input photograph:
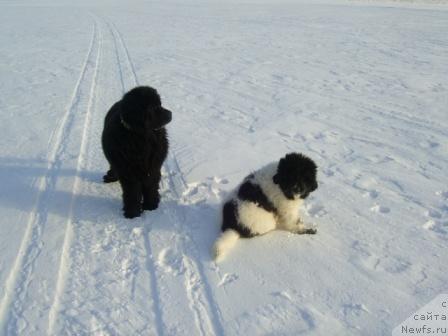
(142, 110)
(296, 176)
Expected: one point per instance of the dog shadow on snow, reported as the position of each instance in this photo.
(198, 225)
(20, 189)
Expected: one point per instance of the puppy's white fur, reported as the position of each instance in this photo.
(225, 243)
(287, 217)
(258, 220)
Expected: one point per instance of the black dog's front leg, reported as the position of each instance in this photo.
(132, 198)
(151, 196)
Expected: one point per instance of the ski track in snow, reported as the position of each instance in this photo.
(133, 81)
(68, 236)
(206, 311)
(118, 40)
(105, 28)
(196, 283)
(197, 289)
(32, 242)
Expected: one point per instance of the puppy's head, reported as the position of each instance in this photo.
(296, 176)
(142, 110)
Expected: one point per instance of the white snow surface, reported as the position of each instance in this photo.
(363, 90)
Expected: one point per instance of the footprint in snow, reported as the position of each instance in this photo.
(325, 137)
(437, 219)
(199, 192)
(315, 210)
(395, 265)
(328, 172)
(372, 194)
(282, 295)
(375, 263)
(365, 183)
(171, 262)
(380, 209)
(436, 226)
(428, 144)
(219, 180)
(354, 309)
(285, 135)
(106, 242)
(227, 279)
(433, 214)
(442, 194)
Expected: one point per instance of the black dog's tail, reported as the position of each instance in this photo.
(224, 244)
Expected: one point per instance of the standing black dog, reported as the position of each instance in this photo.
(135, 143)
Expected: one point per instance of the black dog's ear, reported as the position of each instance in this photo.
(275, 179)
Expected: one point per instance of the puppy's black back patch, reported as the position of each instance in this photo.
(230, 220)
(253, 193)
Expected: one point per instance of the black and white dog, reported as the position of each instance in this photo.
(266, 200)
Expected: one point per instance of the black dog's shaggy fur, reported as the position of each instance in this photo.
(135, 143)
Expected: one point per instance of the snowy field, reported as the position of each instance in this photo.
(361, 89)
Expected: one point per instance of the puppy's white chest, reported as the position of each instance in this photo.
(288, 214)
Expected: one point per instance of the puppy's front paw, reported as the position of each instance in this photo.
(303, 230)
(310, 231)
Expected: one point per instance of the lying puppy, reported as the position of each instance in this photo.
(135, 143)
(267, 200)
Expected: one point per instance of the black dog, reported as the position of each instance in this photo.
(135, 143)
(268, 199)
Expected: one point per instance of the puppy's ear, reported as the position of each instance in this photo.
(276, 178)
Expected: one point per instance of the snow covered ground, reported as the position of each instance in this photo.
(363, 90)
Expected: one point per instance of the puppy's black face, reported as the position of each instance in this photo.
(296, 176)
(142, 110)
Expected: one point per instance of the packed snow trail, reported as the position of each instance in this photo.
(16, 304)
(360, 89)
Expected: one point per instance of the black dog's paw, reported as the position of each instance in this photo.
(132, 213)
(151, 204)
(110, 177)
